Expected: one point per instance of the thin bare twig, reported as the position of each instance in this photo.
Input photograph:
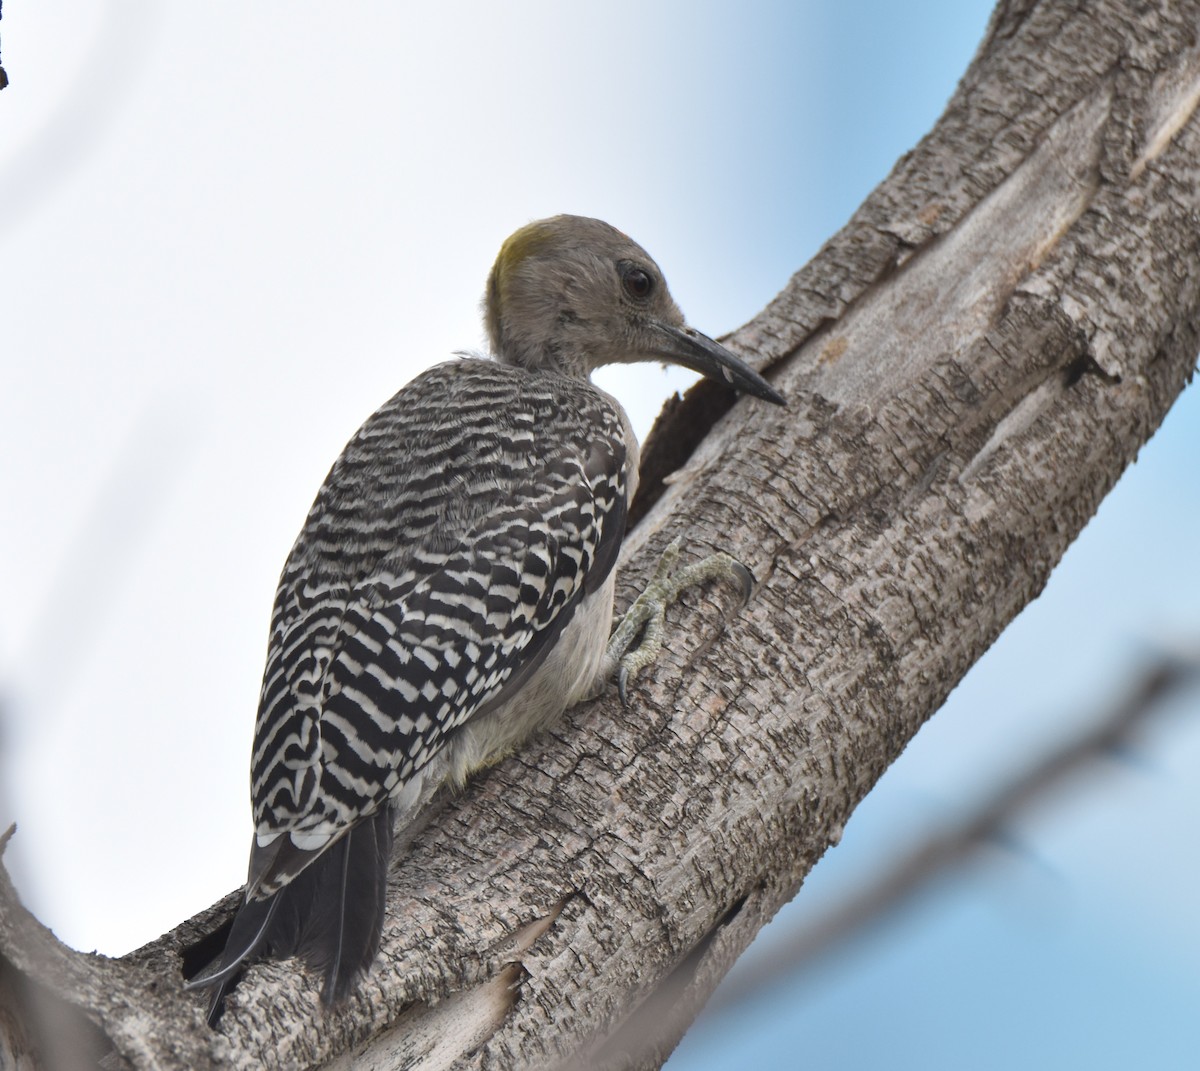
(1167, 677)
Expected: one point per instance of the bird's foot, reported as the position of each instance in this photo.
(647, 615)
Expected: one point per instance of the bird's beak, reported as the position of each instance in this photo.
(686, 346)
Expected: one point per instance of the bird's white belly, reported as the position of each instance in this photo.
(566, 676)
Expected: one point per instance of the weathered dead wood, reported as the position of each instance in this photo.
(971, 362)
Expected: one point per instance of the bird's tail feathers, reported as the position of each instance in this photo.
(330, 914)
(250, 928)
(338, 934)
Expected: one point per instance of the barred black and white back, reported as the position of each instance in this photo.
(452, 542)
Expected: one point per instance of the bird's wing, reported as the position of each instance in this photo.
(446, 551)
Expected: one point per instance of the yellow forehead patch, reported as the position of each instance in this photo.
(529, 241)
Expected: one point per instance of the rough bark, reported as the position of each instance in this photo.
(971, 362)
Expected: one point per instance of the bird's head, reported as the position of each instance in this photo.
(571, 294)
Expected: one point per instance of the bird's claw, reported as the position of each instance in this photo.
(647, 615)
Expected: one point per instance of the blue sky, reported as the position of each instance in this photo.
(231, 231)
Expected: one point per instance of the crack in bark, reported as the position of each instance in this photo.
(930, 310)
(1175, 95)
(435, 1037)
(882, 575)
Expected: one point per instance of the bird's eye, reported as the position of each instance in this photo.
(637, 283)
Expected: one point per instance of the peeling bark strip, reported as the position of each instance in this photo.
(971, 363)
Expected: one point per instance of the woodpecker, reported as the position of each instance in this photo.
(451, 591)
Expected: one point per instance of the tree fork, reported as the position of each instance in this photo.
(970, 364)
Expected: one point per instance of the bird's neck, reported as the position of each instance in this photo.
(547, 359)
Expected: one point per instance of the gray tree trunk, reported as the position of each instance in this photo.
(970, 363)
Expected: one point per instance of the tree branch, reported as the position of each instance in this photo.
(971, 362)
(1110, 735)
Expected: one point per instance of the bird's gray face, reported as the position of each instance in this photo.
(573, 294)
